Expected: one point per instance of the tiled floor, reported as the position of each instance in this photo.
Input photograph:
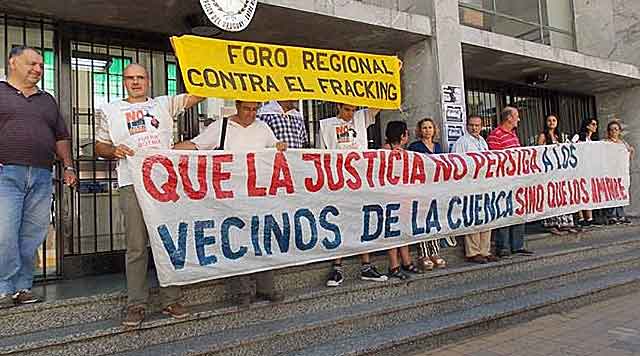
(610, 328)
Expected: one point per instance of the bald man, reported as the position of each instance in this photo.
(124, 126)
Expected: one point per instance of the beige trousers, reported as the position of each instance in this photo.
(477, 243)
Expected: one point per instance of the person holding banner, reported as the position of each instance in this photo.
(509, 239)
(123, 126)
(427, 143)
(614, 129)
(241, 132)
(477, 245)
(563, 224)
(588, 133)
(397, 136)
(286, 122)
(348, 130)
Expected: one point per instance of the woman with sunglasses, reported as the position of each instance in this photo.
(588, 132)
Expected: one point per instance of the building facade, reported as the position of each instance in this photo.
(576, 59)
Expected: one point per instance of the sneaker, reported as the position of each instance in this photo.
(525, 252)
(369, 272)
(25, 297)
(335, 277)
(6, 301)
(135, 316)
(272, 296)
(398, 273)
(624, 221)
(176, 311)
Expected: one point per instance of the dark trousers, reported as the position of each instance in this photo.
(241, 285)
(509, 239)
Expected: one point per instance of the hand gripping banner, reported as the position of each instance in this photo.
(214, 214)
(262, 72)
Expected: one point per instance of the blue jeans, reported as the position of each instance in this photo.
(615, 213)
(25, 202)
(509, 239)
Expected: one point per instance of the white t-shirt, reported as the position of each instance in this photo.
(254, 137)
(336, 133)
(139, 125)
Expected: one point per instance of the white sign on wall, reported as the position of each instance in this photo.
(230, 15)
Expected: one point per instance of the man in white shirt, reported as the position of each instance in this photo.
(348, 130)
(123, 126)
(477, 245)
(243, 133)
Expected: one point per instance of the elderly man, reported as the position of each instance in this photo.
(478, 244)
(122, 127)
(32, 132)
(348, 130)
(241, 132)
(286, 122)
(509, 239)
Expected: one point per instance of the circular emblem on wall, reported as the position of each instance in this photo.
(230, 15)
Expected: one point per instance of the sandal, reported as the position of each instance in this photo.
(438, 261)
(425, 264)
(411, 268)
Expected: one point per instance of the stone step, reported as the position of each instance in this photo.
(343, 309)
(326, 330)
(427, 334)
(77, 311)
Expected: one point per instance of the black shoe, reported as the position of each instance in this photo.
(585, 223)
(594, 222)
(624, 221)
(335, 277)
(397, 273)
(525, 252)
(368, 272)
(503, 254)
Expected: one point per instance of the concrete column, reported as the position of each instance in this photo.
(448, 56)
(428, 66)
(419, 79)
(609, 29)
(594, 27)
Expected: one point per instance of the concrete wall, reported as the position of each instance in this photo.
(611, 29)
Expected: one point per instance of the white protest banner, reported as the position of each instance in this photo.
(214, 214)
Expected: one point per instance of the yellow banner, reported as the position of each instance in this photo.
(262, 72)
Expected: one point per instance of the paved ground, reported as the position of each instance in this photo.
(610, 328)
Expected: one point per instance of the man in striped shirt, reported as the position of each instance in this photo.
(509, 239)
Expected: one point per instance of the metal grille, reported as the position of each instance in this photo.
(40, 34)
(97, 78)
(487, 98)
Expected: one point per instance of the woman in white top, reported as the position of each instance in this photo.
(614, 130)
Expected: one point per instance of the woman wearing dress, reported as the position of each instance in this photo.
(557, 225)
(427, 134)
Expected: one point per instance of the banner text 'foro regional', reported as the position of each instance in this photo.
(215, 214)
(261, 72)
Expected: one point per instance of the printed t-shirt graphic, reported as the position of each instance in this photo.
(139, 125)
